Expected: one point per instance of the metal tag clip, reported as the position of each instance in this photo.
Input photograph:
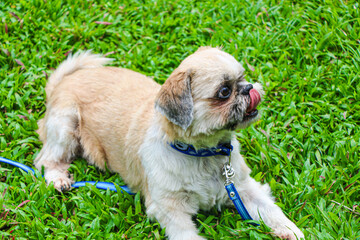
(229, 173)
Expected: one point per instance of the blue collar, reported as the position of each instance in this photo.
(223, 149)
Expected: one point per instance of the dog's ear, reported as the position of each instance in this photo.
(174, 99)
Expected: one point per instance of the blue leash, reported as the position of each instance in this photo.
(239, 205)
(229, 186)
(99, 185)
(16, 164)
(234, 196)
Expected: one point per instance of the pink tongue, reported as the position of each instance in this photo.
(254, 100)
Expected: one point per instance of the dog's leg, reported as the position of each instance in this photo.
(259, 203)
(258, 200)
(174, 214)
(58, 133)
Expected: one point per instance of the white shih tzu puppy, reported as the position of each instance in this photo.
(170, 142)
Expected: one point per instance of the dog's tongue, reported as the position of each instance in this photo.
(254, 100)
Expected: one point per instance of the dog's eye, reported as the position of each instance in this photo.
(224, 92)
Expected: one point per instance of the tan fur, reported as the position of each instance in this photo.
(174, 100)
(174, 85)
(102, 137)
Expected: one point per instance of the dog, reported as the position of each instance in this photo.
(125, 121)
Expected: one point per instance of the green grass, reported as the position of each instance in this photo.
(306, 145)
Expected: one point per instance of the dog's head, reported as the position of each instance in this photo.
(208, 93)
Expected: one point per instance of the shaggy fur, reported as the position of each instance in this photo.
(125, 120)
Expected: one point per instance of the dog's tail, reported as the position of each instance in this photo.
(79, 60)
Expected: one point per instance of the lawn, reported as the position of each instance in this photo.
(306, 145)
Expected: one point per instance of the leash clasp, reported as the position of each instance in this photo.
(229, 173)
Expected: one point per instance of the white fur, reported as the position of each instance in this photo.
(59, 177)
(181, 185)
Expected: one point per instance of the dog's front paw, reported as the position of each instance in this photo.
(289, 232)
(62, 180)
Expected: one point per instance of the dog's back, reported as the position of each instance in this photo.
(81, 97)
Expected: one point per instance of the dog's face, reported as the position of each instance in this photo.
(208, 93)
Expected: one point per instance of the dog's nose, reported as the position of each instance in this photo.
(246, 89)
